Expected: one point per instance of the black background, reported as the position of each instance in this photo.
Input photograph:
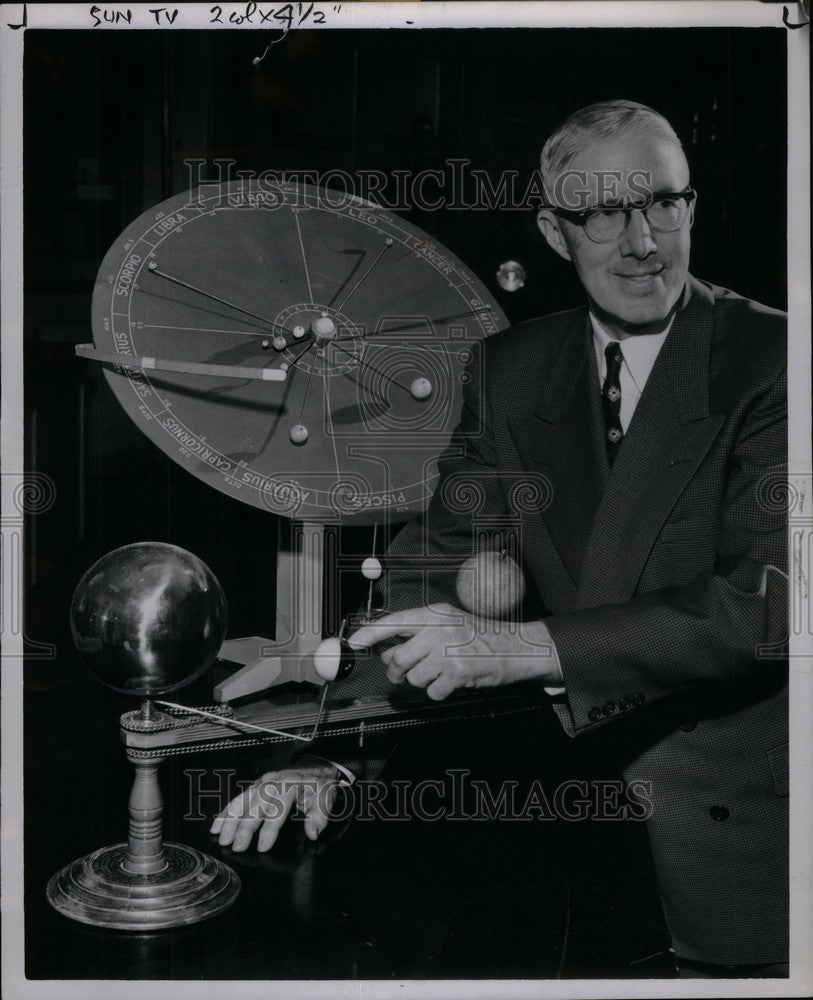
(109, 119)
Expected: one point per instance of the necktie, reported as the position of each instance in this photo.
(611, 399)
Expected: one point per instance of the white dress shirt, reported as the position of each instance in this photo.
(639, 352)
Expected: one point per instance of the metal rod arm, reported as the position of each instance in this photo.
(184, 367)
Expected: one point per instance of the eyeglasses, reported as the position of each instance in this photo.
(665, 212)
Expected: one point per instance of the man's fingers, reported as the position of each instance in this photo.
(398, 623)
(306, 791)
(269, 831)
(441, 688)
(401, 659)
(233, 809)
(276, 807)
(232, 825)
(424, 673)
(265, 801)
(267, 804)
(314, 825)
(226, 830)
(318, 809)
(244, 832)
(228, 819)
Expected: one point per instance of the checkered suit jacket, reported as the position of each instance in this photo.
(661, 578)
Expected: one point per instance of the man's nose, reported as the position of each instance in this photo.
(636, 240)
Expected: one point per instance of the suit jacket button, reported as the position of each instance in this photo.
(638, 699)
(688, 727)
(625, 702)
(608, 707)
(594, 714)
(719, 813)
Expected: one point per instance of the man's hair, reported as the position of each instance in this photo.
(604, 120)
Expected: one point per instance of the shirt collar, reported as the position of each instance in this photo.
(640, 351)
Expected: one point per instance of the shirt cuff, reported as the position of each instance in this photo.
(555, 690)
(348, 776)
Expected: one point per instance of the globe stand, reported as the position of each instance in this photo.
(144, 884)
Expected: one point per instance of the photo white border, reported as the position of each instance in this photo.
(609, 14)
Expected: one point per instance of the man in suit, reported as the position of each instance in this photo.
(655, 420)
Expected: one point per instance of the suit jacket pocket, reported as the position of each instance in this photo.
(778, 759)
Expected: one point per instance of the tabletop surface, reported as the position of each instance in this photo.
(375, 898)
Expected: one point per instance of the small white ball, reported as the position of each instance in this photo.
(323, 326)
(326, 658)
(299, 332)
(280, 343)
(511, 276)
(371, 568)
(299, 434)
(334, 659)
(421, 388)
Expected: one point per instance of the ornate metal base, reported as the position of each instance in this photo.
(97, 890)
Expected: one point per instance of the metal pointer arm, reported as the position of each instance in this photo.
(152, 267)
(184, 367)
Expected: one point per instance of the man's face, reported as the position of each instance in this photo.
(633, 281)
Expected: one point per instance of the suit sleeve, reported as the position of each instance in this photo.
(726, 623)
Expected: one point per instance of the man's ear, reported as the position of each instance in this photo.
(549, 227)
(692, 203)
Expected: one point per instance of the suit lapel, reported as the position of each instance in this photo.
(562, 439)
(668, 437)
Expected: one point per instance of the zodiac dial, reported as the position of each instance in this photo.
(295, 347)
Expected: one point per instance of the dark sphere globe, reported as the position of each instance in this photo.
(148, 618)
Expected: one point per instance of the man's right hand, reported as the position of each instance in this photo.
(266, 804)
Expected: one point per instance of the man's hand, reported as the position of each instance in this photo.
(448, 649)
(266, 804)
